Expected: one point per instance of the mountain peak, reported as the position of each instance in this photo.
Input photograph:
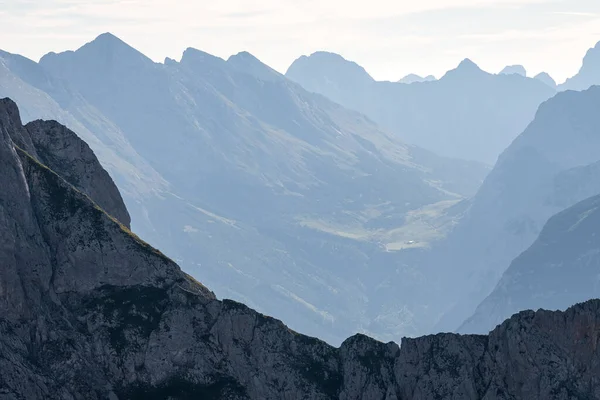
(330, 67)
(243, 55)
(514, 69)
(465, 69)
(169, 61)
(248, 63)
(412, 78)
(589, 74)
(468, 64)
(104, 51)
(109, 43)
(546, 78)
(327, 55)
(9, 110)
(195, 57)
(108, 38)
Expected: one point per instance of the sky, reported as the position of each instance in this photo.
(388, 38)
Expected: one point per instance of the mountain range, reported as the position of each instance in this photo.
(89, 310)
(412, 78)
(558, 270)
(551, 166)
(468, 113)
(310, 212)
(269, 194)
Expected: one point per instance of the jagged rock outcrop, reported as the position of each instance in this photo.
(90, 311)
(65, 153)
(589, 73)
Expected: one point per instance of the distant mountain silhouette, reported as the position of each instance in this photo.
(412, 78)
(560, 268)
(247, 63)
(514, 69)
(546, 78)
(272, 195)
(588, 75)
(552, 165)
(468, 113)
(323, 72)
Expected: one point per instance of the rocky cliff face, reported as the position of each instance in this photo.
(90, 311)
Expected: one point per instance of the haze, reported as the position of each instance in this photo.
(390, 39)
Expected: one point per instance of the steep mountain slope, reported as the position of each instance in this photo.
(544, 77)
(552, 165)
(560, 269)
(41, 95)
(588, 75)
(88, 310)
(466, 114)
(271, 195)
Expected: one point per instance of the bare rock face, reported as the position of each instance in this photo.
(66, 154)
(90, 311)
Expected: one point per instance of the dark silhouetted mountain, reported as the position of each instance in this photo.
(88, 310)
(588, 75)
(560, 268)
(412, 78)
(514, 69)
(271, 195)
(466, 114)
(552, 165)
(546, 78)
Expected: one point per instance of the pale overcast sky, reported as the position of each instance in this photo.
(389, 38)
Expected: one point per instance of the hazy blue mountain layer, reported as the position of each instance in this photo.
(551, 166)
(560, 269)
(588, 75)
(468, 113)
(268, 193)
